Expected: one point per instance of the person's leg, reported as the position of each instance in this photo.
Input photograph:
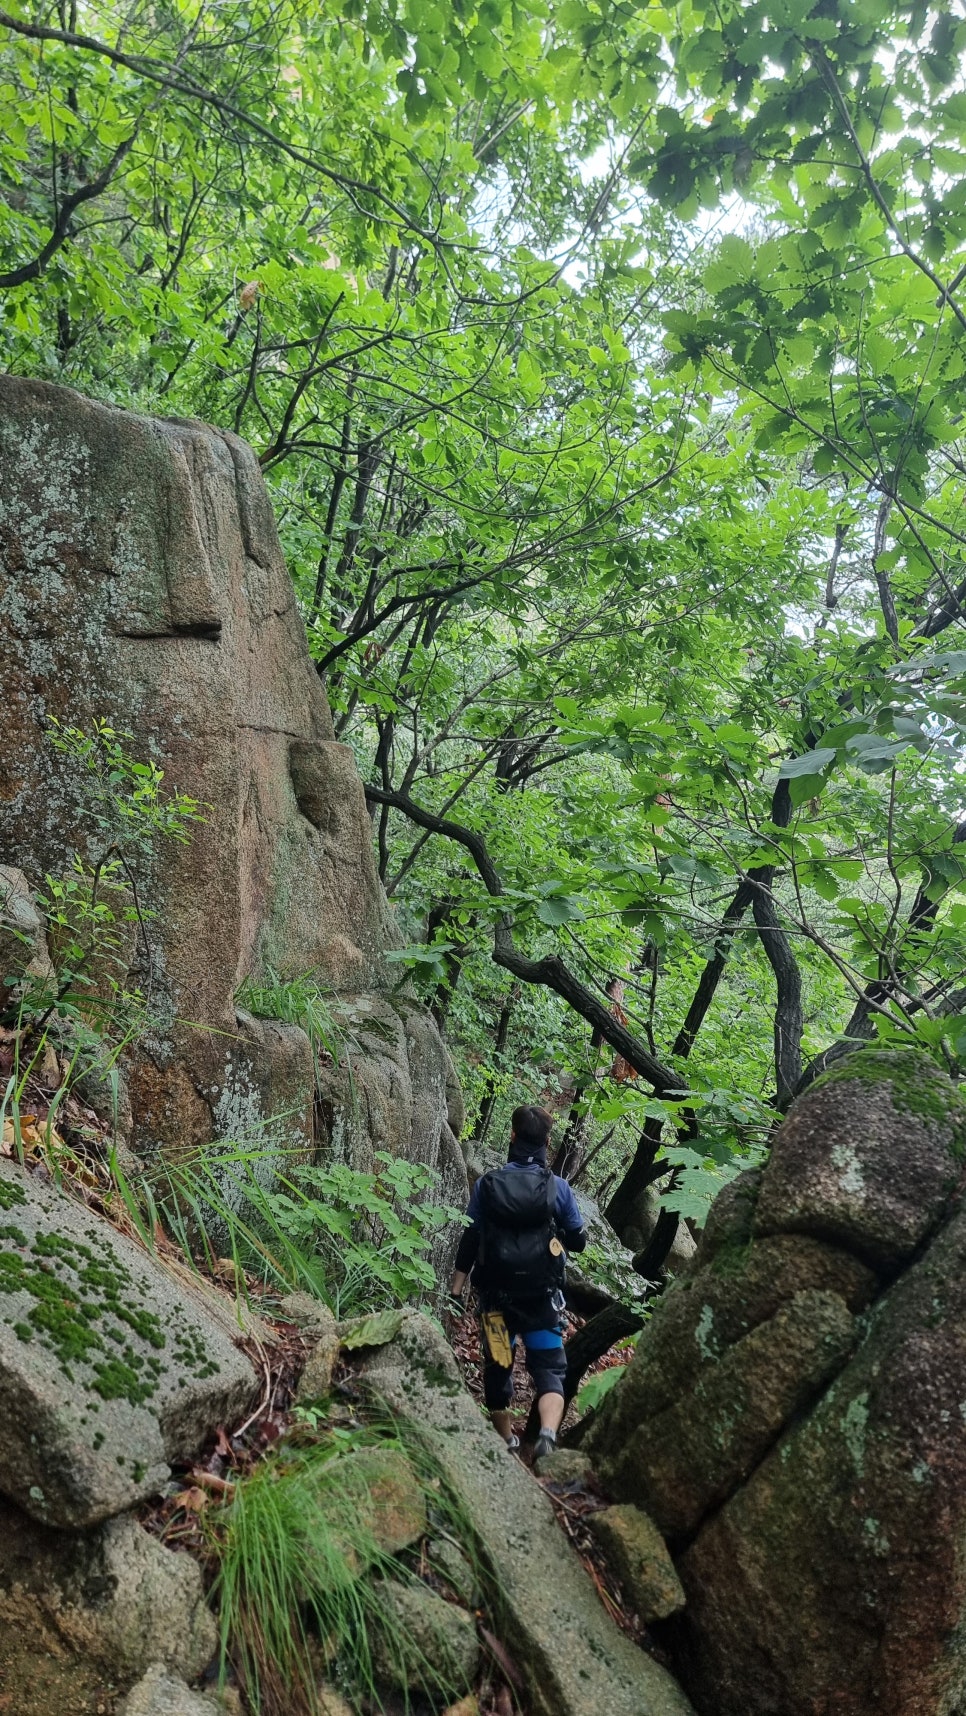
(547, 1364)
(551, 1408)
(498, 1394)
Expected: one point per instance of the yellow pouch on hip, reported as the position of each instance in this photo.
(496, 1338)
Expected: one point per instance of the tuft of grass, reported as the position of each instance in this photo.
(299, 1583)
(300, 1000)
(356, 1240)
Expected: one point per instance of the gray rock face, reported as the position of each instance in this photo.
(870, 1159)
(113, 1594)
(795, 1413)
(433, 1642)
(23, 944)
(638, 1554)
(160, 1693)
(574, 1659)
(109, 1369)
(141, 581)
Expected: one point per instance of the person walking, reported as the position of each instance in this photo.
(523, 1221)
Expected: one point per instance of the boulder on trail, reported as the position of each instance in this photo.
(110, 1368)
(574, 1659)
(114, 1595)
(638, 1555)
(432, 1643)
(817, 1521)
(160, 1693)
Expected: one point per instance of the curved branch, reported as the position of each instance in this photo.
(549, 972)
(61, 230)
(154, 72)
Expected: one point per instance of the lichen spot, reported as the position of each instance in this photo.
(855, 1424)
(851, 1177)
(708, 1346)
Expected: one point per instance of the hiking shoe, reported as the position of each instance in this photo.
(545, 1444)
(513, 1443)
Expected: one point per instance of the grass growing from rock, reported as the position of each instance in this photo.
(303, 1582)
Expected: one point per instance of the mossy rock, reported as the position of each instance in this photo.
(110, 1369)
(868, 1158)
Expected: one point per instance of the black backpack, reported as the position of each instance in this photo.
(515, 1259)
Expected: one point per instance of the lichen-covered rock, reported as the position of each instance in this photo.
(461, 1576)
(639, 1556)
(794, 1417)
(834, 1580)
(387, 1494)
(565, 1466)
(142, 583)
(109, 1368)
(685, 1460)
(161, 1693)
(427, 1642)
(23, 944)
(321, 1329)
(699, 1320)
(115, 1595)
(869, 1157)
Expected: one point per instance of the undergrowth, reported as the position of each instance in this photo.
(356, 1240)
(300, 1580)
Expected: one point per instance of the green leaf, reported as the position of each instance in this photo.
(807, 766)
(375, 1331)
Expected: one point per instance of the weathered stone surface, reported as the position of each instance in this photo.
(640, 1225)
(697, 1320)
(160, 1693)
(731, 1215)
(429, 1643)
(390, 1499)
(639, 1556)
(834, 1580)
(868, 1157)
(798, 1426)
(685, 1460)
(316, 1378)
(460, 1575)
(141, 581)
(574, 1658)
(114, 1595)
(109, 1368)
(332, 1703)
(565, 1466)
(23, 945)
(392, 1091)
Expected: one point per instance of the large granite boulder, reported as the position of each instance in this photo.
(110, 1369)
(794, 1415)
(141, 583)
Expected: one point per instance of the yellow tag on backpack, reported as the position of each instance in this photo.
(496, 1338)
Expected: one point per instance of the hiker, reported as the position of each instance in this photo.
(523, 1222)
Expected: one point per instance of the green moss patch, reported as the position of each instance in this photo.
(917, 1087)
(83, 1306)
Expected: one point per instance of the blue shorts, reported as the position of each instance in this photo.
(546, 1363)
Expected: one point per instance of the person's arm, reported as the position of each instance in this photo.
(466, 1251)
(569, 1219)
